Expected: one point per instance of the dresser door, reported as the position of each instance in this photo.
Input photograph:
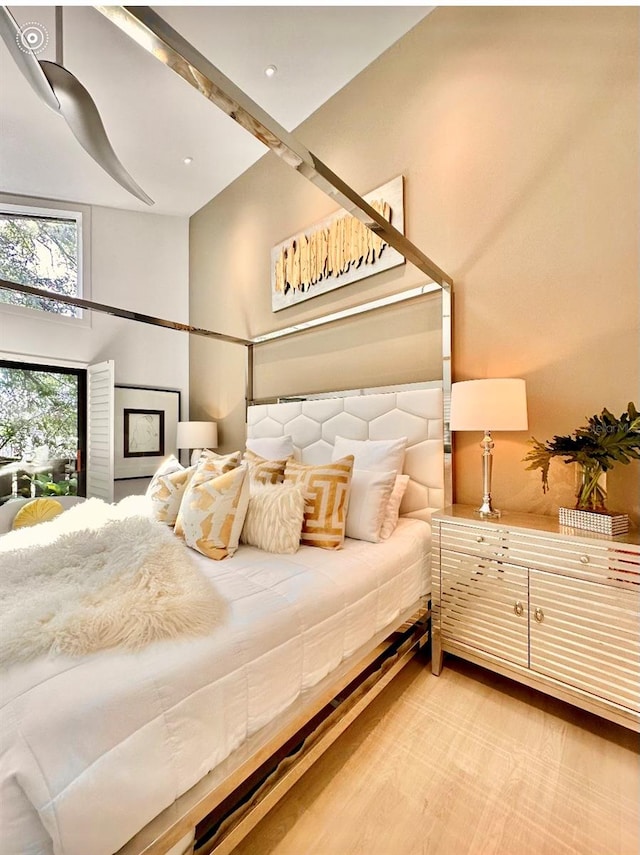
(587, 635)
(484, 605)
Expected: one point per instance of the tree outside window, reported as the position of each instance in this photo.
(41, 410)
(42, 251)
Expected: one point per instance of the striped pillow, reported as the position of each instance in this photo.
(263, 471)
(326, 494)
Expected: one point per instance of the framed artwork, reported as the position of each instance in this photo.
(338, 251)
(146, 423)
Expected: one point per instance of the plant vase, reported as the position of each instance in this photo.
(590, 511)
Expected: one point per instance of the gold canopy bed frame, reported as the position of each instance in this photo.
(219, 811)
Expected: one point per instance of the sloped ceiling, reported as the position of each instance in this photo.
(154, 119)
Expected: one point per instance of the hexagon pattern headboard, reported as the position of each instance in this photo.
(417, 414)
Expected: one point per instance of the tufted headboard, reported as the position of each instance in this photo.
(417, 414)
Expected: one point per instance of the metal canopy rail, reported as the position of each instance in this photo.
(155, 35)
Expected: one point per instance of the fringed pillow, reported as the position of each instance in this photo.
(274, 518)
(326, 494)
(213, 511)
(392, 511)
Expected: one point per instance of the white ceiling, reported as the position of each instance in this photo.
(155, 119)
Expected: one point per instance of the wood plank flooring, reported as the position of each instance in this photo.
(467, 763)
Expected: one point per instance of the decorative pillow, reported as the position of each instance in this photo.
(274, 518)
(213, 512)
(370, 492)
(38, 511)
(209, 466)
(263, 471)
(392, 511)
(326, 494)
(378, 455)
(271, 447)
(165, 494)
(171, 464)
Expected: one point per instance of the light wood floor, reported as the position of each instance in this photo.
(467, 763)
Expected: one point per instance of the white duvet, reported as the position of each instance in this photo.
(91, 749)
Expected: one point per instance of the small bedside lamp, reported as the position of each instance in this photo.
(197, 435)
(488, 405)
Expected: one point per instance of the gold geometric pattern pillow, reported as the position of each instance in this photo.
(326, 494)
(165, 494)
(213, 512)
(209, 466)
(37, 511)
(263, 471)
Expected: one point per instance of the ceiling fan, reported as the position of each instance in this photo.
(63, 93)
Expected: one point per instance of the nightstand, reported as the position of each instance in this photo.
(553, 607)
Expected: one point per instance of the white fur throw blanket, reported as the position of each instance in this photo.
(95, 577)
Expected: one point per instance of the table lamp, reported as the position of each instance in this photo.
(488, 405)
(196, 436)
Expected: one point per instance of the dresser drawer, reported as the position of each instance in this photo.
(615, 565)
(480, 540)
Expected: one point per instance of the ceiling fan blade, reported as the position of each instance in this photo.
(25, 59)
(81, 114)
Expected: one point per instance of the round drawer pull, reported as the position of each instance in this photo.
(480, 539)
(518, 608)
(584, 559)
(539, 615)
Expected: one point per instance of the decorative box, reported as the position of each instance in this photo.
(603, 522)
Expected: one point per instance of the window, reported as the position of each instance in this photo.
(42, 430)
(42, 247)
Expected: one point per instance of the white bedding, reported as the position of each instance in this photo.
(93, 748)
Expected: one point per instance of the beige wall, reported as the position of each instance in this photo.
(517, 132)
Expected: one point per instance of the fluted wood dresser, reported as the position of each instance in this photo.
(554, 607)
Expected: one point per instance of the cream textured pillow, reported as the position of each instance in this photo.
(209, 465)
(165, 494)
(271, 447)
(263, 471)
(212, 513)
(370, 492)
(326, 494)
(392, 511)
(274, 518)
(378, 455)
(171, 464)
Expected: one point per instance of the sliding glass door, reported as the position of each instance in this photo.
(42, 430)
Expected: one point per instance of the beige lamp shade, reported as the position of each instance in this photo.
(489, 405)
(197, 435)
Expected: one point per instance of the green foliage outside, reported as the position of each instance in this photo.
(38, 408)
(42, 253)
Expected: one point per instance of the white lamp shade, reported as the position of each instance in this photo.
(197, 435)
(496, 404)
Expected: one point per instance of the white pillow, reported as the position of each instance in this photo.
(274, 518)
(392, 511)
(369, 497)
(378, 455)
(271, 447)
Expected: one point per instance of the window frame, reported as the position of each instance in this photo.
(28, 206)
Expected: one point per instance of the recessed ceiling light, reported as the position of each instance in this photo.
(187, 160)
(270, 70)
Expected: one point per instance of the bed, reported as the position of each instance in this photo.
(187, 743)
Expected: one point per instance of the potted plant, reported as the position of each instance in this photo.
(604, 441)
